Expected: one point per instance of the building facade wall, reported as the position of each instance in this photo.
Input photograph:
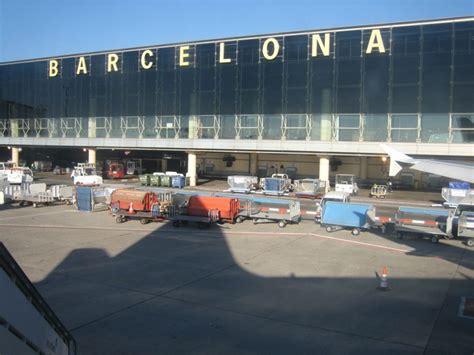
(417, 91)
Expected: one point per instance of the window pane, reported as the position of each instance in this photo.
(272, 127)
(349, 121)
(404, 121)
(406, 135)
(434, 128)
(227, 127)
(375, 128)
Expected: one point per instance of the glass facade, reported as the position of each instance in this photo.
(420, 88)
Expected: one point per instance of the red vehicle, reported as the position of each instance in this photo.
(116, 171)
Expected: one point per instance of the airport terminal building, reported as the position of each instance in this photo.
(310, 103)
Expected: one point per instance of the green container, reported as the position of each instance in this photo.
(155, 180)
(144, 179)
(166, 181)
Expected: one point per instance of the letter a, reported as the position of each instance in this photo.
(375, 41)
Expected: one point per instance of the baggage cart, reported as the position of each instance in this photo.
(201, 221)
(378, 191)
(178, 181)
(242, 184)
(159, 212)
(466, 227)
(310, 188)
(421, 221)
(41, 198)
(354, 216)
(263, 210)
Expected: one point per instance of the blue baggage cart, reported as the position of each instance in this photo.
(354, 216)
(178, 181)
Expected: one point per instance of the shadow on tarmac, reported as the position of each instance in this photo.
(190, 291)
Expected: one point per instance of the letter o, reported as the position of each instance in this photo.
(276, 48)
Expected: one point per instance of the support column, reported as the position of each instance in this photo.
(253, 164)
(16, 155)
(92, 153)
(164, 165)
(324, 170)
(192, 169)
(363, 168)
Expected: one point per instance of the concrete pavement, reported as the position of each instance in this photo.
(242, 288)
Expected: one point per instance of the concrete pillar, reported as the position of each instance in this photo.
(324, 170)
(253, 164)
(92, 153)
(192, 169)
(363, 168)
(16, 155)
(164, 165)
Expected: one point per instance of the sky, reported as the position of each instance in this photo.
(48, 28)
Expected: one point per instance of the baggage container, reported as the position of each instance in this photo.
(139, 200)
(166, 181)
(228, 208)
(310, 188)
(178, 181)
(155, 180)
(144, 179)
(84, 198)
(274, 186)
(242, 184)
(356, 216)
(264, 210)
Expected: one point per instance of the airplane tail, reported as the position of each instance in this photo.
(396, 157)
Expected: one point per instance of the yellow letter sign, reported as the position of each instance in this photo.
(276, 48)
(183, 54)
(375, 41)
(222, 58)
(53, 68)
(144, 63)
(81, 66)
(112, 62)
(317, 42)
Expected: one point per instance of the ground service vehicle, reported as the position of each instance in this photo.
(115, 171)
(85, 174)
(346, 183)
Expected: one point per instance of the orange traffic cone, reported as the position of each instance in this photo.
(384, 280)
(130, 209)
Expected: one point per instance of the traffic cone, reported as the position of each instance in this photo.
(130, 209)
(384, 280)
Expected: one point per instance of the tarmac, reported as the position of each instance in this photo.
(241, 289)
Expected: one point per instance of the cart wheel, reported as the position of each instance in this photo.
(176, 224)
(35, 205)
(255, 221)
(119, 219)
(355, 232)
(382, 197)
(434, 239)
(22, 203)
(329, 229)
(470, 242)
(239, 219)
(144, 221)
(281, 224)
(68, 202)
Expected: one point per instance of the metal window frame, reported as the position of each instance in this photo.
(65, 126)
(4, 127)
(126, 127)
(107, 127)
(286, 127)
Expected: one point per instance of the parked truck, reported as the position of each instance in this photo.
(85, 174)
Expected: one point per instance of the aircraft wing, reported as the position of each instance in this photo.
(454, 170)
